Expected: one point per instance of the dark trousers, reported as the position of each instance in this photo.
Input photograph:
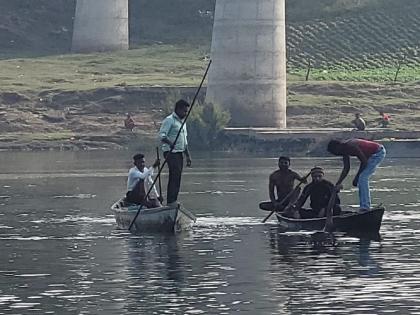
(137, 195)
(175, 164)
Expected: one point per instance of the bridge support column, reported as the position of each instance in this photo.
(248, 73)
(100, 25)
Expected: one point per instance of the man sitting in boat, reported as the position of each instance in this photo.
(139, 182)
(282, 182)
(370, 155)
(319, 191)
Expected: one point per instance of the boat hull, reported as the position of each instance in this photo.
(162, 219)
(367, 222)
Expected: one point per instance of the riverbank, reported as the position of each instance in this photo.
(93, 119)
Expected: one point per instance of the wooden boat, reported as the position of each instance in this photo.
(162, 219)
(347, 221)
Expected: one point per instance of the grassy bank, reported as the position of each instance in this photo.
(153, 65)
(83, 98)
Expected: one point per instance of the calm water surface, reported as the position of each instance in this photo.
(61, 252)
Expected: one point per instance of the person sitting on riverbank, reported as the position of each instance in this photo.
(129, 122)
(359, 122)
(370, 155)
(319, 192)
(139, 181)
(282, 182)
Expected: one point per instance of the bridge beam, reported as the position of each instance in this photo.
(248, 73)
(100, 25)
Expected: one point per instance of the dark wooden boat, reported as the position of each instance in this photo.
(162, 219)
(347, 221)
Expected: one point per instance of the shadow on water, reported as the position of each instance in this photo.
(344, 247)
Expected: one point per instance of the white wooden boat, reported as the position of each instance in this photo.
(162, 219)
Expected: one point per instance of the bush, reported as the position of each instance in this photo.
(205, 125)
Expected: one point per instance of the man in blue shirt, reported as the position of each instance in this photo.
(173, 151)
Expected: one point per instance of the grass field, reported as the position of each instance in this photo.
(329, 99)
(154, 65)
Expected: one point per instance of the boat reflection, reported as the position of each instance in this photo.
(341, 247)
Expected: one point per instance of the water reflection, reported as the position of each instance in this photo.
(61, 253)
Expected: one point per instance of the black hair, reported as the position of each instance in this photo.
(333, 146)
(181, 104)
(138, 156)
(285, 158)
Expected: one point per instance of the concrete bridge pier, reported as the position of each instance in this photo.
(100, 25)
(248, 73)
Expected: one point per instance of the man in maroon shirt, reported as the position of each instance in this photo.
(370, 155)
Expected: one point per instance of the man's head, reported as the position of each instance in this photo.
(357, 115)
(334, 147)
(139, 161)
(181, 108)
(128, 115)
(317, 174)
(284, 162)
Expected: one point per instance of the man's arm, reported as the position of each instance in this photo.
(188, 156)
(345, 171)
(303, 197)
(300, 178)
(164, 131)
(271, 186)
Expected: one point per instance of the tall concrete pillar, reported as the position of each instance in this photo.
(248, 73)
(100, 25)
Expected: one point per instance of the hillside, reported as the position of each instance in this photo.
(338, 34)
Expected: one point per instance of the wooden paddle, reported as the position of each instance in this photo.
(160, 183)
(287, 197)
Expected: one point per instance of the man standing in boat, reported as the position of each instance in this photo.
(282, 182)
(370, 155)
(319, 192)
(140, 179)
(174, 149)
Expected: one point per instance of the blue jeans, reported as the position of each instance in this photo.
(363, 183)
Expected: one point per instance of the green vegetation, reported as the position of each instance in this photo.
(206, 124)
(154, 65)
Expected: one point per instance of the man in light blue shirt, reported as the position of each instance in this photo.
(174, 150)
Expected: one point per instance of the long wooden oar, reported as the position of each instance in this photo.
(287, 197)
(160, 182)
(172, 147)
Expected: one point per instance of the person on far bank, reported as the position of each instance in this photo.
(281, 182)
(174, 152)
(359, 122)
(370, 155)
(129, 122)
(384, 120)
(139, 182)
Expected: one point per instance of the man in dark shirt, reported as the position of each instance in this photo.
(281, 182)
(319, 191)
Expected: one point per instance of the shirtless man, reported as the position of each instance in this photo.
(281, 182)
(370, 155)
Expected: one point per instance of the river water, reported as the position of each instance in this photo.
(61, 252)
